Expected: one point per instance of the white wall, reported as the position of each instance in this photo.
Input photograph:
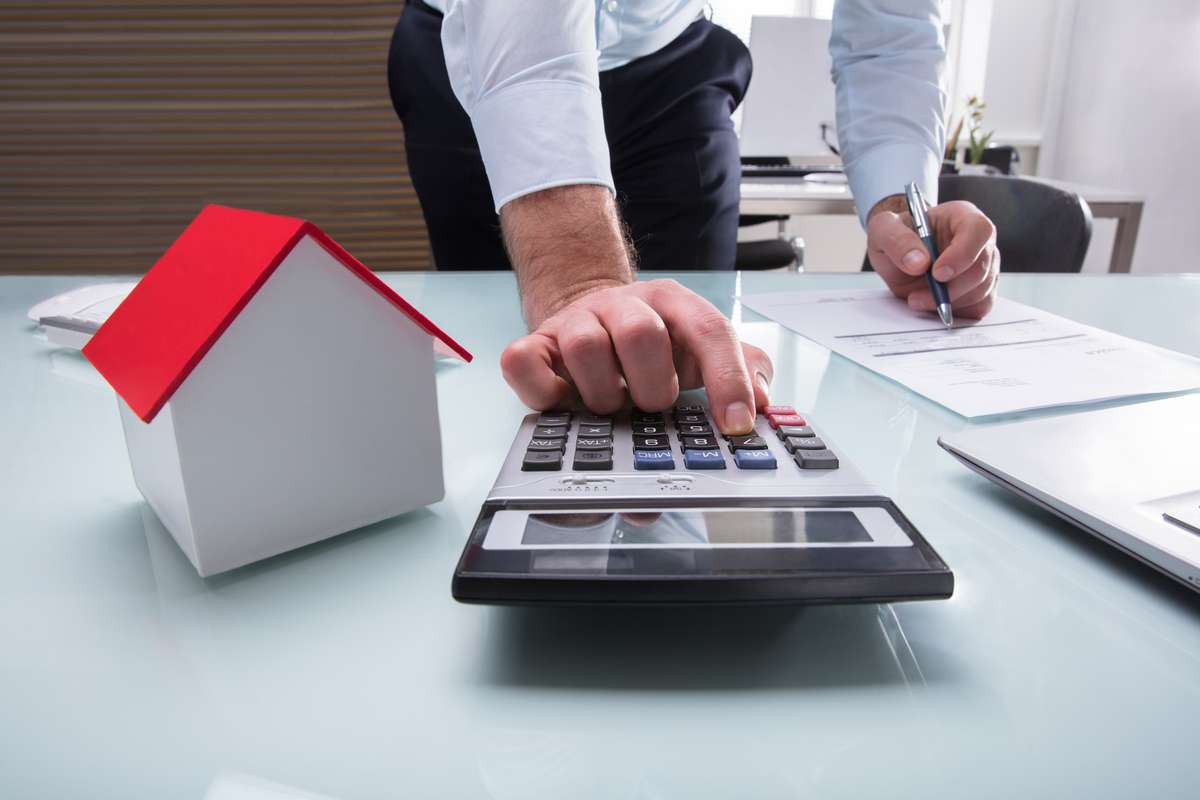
(1018, 62)
(1130, 116)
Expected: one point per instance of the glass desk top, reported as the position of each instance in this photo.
(1059, 668)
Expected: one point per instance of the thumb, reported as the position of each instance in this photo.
(762, 372)
(890, 234)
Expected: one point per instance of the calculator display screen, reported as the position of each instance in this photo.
(854, 543)
(694, 528)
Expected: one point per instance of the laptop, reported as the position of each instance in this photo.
(1128, 474)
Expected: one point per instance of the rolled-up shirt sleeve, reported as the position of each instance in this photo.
(529, 79)
(888, 59)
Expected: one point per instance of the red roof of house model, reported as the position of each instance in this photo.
(154, 339)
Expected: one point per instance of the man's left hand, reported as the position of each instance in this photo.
(969, 263)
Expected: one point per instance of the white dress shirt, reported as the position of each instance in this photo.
(527, 73)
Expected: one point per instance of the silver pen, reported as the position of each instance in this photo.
(919, 211)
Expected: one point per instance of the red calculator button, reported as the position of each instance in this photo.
(785, 419)
(772, 411)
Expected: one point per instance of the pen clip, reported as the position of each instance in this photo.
(917, 209)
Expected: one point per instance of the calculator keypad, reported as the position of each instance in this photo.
(658, 439)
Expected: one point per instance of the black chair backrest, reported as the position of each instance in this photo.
(1039, 227)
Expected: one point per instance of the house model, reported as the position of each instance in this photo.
(273, 391)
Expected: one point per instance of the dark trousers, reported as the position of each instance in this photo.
(673, 150)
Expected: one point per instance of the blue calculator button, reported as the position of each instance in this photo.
(754, 459)
(703, 459)
(653, 459)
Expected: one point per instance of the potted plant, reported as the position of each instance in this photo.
(977, 142)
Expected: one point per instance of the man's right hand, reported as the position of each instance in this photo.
(648, 340)
(598, 335)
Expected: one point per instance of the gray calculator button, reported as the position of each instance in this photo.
(554, 418)
(699, 442)
(593, 459)
(542, 461)
(784, 431)
(816, 459)
(595, 430)
(541, 443)
(794, 443)
(691, 429)
(651, 442)
(593, 443)
(658, 429)
(550, 431)
(747, 443)
(594, 419)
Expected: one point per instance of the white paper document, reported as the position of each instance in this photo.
(1016, 359)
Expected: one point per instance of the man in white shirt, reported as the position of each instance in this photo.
(597, 133)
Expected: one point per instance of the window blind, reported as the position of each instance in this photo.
(120, 119)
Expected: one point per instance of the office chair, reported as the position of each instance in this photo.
(768, 253)
(1039, 228)
(781, 251)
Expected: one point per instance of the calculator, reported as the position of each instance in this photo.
(660, 508)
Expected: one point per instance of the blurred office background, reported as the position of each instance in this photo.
(119, 119)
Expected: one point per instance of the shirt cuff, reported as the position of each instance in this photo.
(540, 134)
(884, 170)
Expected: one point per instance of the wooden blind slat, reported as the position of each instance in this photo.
(120, 120)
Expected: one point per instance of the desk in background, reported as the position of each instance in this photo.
(1059, 669)
(797, 197)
